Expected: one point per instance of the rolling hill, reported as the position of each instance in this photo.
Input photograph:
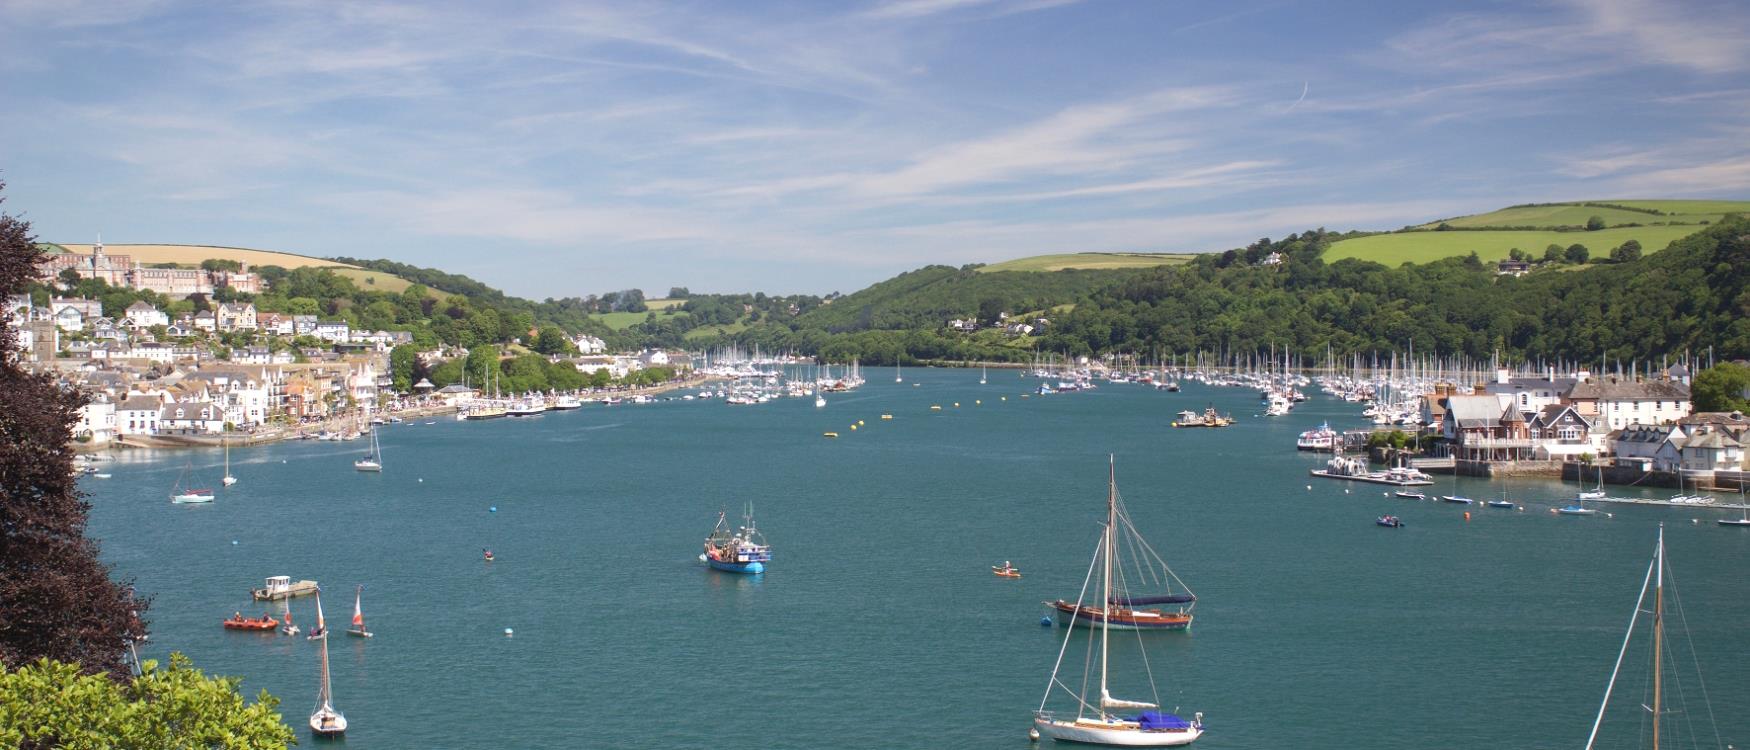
(1087, 261)
(1533, 227)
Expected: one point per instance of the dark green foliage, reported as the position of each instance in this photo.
(221, 264)
(1576, 253)
(1627, 252)
(404, 367)
(1690, 296)
(1721, 388)
(1595, 223)
(56, 598)
(1552, 254)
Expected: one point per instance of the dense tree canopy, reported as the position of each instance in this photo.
(50, 704)
(1721, 388)
(56, 597)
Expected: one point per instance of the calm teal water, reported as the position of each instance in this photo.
(879, 624)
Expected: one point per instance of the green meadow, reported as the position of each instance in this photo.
(1422, 247)
(1088, 261)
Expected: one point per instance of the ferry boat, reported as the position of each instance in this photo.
(486, 411)
(565, 403)
(740, 550)
(526, 409)
(1209, 418)
(1323, 439)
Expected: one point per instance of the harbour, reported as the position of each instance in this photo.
(1306, 609)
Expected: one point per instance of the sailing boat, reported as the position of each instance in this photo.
(325, 721)
(1503, 502)
(358, 615)
(1455, 497)
(228, 480)
(1094, 724)
(1596, 493)
(372, 461)
(1745, 521)
(184, 494)
(983, 374)
(1656, 708)
(897, 378)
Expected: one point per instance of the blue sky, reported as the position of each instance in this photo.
(566, 148)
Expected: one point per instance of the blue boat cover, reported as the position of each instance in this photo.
(1158, 720)
(1134, 601)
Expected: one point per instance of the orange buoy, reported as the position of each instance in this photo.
(1467, 515)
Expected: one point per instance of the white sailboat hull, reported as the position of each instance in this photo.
(327, 721)
(1116, 734)
(191, 497)
(367, 466)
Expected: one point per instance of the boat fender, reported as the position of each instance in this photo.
(1033, 734)
(1045, 621)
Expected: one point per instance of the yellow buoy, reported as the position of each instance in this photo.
(853, 428)
(887, 416)
(859, 421)
(1005, 398)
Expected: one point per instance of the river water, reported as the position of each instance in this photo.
(879, 624)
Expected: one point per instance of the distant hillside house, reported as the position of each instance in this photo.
(1512, 268)
(198, 417)
(236, 317)
(144, 315)
(587, 344)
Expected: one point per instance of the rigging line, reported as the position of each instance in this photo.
(1148, 670)
(1071, 629)
(1614, 670)
(1701, 681)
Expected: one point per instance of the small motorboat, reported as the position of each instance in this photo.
(488, 555)
(829, 434)
(238, 622)
(1508, 504)
(1460, 499)
(1574, 510)
(1410, 495)
(1006, 570)
(1391, 521)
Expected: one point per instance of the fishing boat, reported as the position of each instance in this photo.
(741, 550)
(238, 622)
(1659, 721)
(228, 480)
(1390, 521)
(1096, 721)
(372, 461)
(182, 493)
(1122, 611)
(1006, 570)
(325, 721)
(358, 615)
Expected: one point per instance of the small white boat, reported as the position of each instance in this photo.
(100, 475)
(325, 721)
(358, 615)
(372, 461)
(185, 495)
(228, 480)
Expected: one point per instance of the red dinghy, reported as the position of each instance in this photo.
(239, 622)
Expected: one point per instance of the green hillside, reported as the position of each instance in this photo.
(1422, 247)
(1534, 227)
(1091, 261)
(929, 297)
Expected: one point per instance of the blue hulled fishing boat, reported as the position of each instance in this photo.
(741, 550)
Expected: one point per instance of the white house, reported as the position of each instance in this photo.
(138, 415)
(206, 321)
(97, 421)
(69, 319)
(1531, 393)
(192, 416)
(236, 317)
(587, 344)
(1615, 404)
(334, 332)
(143, 315)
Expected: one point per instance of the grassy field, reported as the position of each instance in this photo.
(1422, 247)
(620, 321)
(1576, 215)
(713, 330)
(663, 304)
(374, 280)
(1088, 261)
(192, 255)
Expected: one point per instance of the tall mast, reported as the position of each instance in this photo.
(1106, 588)
(1658, 631)
(325, 697)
